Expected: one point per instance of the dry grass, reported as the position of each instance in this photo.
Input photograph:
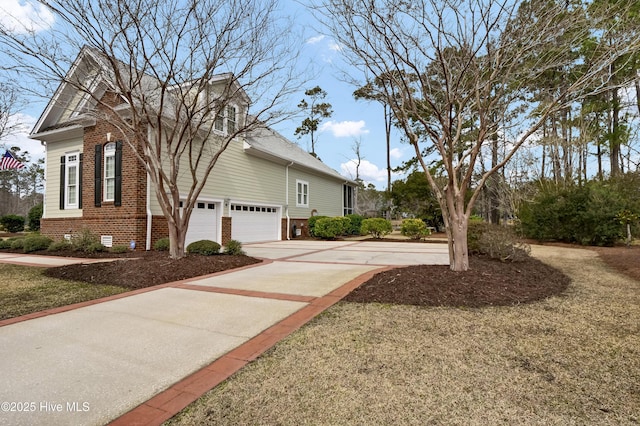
(24, 290)
(567, 360)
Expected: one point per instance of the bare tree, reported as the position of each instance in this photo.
(9, 104)
(169, 73)
(451, 67)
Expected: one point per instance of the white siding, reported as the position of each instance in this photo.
(54, 151)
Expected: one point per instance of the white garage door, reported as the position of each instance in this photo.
(252, 223)
(203, 224)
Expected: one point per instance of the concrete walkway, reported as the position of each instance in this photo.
(142, 357)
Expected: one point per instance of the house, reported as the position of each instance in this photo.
(262, 188)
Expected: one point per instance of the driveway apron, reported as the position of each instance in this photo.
(140, 359)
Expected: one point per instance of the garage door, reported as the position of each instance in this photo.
(252, 223)
(203, 224)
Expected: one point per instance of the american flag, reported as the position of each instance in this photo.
(8, 162)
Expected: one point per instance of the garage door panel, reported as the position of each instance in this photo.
(203, 223)
(252, 223)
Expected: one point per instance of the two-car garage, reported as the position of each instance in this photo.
(249, 222)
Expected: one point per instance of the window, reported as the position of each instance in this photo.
(348, 199)
(231, 119)
(226, 120)
(109, 172)
(219, 124)
(302, 191)
(72, 181)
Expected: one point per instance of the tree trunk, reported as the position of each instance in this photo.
(456, 224)
(176, 241)
(460, 261)
(615, 134)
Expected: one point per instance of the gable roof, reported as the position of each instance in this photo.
(94, 72)
(64, 112)
(267, 143)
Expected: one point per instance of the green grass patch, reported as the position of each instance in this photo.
(24, 290)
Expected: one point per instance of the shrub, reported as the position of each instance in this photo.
(5, 244)
(234, 247)
(12, 223)
(584, 215)
(355, 224)
(62, 245)
(203, 247)
(83, 240)
(17, 244)
(475, 230)
(377, 227)
(331, 227)
(94, 248)
(36, 242)
(162, 244)
(119, 249)
(414, 229)
(35, 214)
(496, 241)
(312, 224)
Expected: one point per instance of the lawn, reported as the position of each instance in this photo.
(25, 289)
(570, 359)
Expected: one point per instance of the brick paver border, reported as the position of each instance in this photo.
(170, 402)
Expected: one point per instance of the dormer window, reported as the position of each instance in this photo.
(226, 120)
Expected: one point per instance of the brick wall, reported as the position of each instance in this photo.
(226, 230)
(123, 229)
(301, 224)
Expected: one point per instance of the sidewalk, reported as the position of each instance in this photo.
(141, 359)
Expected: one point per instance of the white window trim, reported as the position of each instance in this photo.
(109, 154)
(68, 164)
(299, 202)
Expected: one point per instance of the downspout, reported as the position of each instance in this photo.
(44, 187)
(149, 215)
(286, 197)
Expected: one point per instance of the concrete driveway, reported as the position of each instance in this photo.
(142, 357)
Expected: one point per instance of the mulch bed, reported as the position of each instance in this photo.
(148, 269)
(487, 283)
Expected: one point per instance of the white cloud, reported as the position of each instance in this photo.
(345, 129)
(396, 153)
(316, 39)
(25, 16)
(335, 47)
(368, 171)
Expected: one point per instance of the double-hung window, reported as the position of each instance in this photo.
(109, 171)
(231, 119)
(226, 120)
(302, 193)
(72, 180)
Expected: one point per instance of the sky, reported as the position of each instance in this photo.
(351, 120)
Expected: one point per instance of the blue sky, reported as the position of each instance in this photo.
(351, 120)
